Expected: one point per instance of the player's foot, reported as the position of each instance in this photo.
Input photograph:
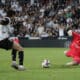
(21, 68)
(72, 63)
(14, 65)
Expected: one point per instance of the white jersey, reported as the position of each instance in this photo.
(4, 31)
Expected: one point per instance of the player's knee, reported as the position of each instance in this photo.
(20, 48)
(17, 47)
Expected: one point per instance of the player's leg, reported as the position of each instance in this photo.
(14, 51)
(8, 44)
(21, 59)
(72, 63)
(75, 61)
(14, 54)
(21, 55)
(71, 53)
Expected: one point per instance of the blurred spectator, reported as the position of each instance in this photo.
(42, 18)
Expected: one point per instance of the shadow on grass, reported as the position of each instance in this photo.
(64, 67)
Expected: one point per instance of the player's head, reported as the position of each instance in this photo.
(5, 21)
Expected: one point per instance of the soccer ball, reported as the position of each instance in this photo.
(45, 63)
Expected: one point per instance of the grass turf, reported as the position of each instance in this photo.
(34, 71)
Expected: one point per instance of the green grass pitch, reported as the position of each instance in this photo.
(34, 71)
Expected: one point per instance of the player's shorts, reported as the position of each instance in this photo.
(6, 44)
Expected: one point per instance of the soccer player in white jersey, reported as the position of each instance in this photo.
(6, 43)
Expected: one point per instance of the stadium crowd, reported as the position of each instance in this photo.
(46, 19)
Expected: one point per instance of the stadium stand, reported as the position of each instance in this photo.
(42, 18)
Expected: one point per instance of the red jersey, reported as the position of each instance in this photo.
(76, 39)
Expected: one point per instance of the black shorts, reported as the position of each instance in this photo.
(6, 44)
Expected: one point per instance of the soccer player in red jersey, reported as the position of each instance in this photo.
(74, 51)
